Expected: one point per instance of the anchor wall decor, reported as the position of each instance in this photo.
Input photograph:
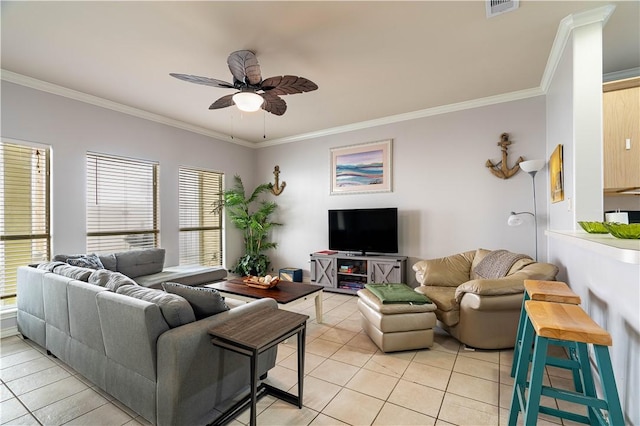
(277, 188)
(501, 169)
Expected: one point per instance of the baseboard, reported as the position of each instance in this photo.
(8, 332)
(8, 323)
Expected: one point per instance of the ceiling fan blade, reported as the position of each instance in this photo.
(244, 67)
(288, 85)
(273, 103)
(223, 102)
(206, 81)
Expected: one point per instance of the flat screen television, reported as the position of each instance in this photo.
(364, 230)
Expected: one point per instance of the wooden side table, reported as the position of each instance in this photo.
(251, 335)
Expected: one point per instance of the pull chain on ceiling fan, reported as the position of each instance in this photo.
(253, 92)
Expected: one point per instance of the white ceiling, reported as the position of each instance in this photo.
(371, 60)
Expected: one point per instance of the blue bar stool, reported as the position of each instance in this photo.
(545, 291)
(552, 323)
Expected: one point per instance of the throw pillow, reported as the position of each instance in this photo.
(49, 266)
(109, 261)
(175, 309)
(136, 263)
(204, 301)
(89, 261)
(100, 277)
(65, 257)
(75, 272)
(117, 280)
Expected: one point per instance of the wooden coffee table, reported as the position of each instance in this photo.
(286, 293)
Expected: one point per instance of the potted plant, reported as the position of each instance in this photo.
(255, 226)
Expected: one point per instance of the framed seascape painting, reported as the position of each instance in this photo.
(361, 168)
(556, 175)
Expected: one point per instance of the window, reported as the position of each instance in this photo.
(24, 212)
(122, 204)
(200, 219)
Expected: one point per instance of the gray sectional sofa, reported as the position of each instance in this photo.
(146, 267)
(147, 348)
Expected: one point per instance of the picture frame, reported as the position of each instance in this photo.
(362, 168)
(556, 175)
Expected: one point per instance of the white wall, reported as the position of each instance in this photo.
(609, 287)
(587, 122)
(72, 128)
(448, 200)
(559, 108)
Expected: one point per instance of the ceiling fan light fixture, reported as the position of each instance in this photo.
(248, 101)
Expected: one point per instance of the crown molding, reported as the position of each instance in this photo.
(621, 75)
(44, 86)
(567, 25)
(429, 112)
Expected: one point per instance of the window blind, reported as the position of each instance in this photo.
(122, 204)
(24, 212)
(200, 218)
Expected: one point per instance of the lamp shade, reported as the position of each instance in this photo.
(532, 165)
(248, 101)
(514, 220)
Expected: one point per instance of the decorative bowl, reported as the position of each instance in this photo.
(260, 282)
(594, 227)
(629, 231)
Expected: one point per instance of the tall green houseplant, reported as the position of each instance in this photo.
(255, 226)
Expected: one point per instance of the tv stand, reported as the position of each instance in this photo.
(349, 272)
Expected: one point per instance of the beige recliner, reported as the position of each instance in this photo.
(478, 302)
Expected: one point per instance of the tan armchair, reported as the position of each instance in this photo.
(481, 311)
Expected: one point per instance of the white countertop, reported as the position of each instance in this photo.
(627, 251)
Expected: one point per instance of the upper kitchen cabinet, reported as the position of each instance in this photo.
(621, 153)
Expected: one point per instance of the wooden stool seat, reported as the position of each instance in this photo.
(547, 291)
(550, 291)
(548, 323)
(565, 322)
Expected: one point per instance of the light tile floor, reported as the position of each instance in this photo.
(348, 381)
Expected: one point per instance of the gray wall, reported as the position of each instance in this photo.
(72, 128)
(448, 200)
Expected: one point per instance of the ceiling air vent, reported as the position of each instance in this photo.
(497, 7)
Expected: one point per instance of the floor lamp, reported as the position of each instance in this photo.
(532, 167)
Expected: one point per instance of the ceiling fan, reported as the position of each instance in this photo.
(253, 92)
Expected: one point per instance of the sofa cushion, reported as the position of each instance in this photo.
(135, 263)
(497, 287)
(448, 310)
(100, 277)
(193, 275)
(518, 265)
(450, 271)
(75, 272)
(204, 301)
(65, 257)
(49, 266)
(109, 261)
(175, 309)
(91, 261)
(116, 280)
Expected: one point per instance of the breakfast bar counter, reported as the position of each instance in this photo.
(605, 272)
(627, 251)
